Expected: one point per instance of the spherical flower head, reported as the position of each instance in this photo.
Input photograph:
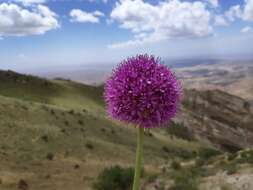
(142, 91)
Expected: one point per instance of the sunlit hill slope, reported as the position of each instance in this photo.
(55, 134)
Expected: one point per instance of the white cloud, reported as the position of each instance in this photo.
(168, 19)
(246, 29)
(18, 21)
(234, 12)
(78, 15)
(219, 20)
(248, 10)
(244, 12)
(98, 13)
(214, 3)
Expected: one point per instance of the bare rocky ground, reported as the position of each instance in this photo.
(234, 77)
(221, 181)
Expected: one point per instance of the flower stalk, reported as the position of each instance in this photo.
(138, 161)
(145, 92)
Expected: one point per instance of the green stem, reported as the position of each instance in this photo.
(138, 161)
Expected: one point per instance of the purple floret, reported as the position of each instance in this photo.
(142, 91)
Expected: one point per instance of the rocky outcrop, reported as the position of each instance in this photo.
(219, 118)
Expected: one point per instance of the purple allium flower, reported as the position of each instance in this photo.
(142, 91)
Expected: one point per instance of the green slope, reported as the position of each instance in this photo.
(41, 119)
(30, 131)
(56, 92)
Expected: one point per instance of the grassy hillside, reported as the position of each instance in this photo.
(56, 135)
(58, 92)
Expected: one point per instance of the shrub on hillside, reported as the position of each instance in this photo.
(184, 179)
(89, 146)
(66, 123)
(80, 122)
(199, 162)
(103, 130)
(231, 168)
(151, 177)
(206, 153)
(71, 112)
(115, 178)
(50, 156)
(231, 156)
(177, 152)
(175, 165)
(44, 138)
(113, 131)
(24, 107)
(246, 157)
(52, 112)
(180, 131)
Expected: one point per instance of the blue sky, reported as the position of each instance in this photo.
(58, 33)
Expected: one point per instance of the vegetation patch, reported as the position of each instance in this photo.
(115, 178)
(185, 178)
(177, 152)
(89, 146)
(207, 153)
(179, 131)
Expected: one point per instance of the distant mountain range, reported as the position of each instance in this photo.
(234, 76)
